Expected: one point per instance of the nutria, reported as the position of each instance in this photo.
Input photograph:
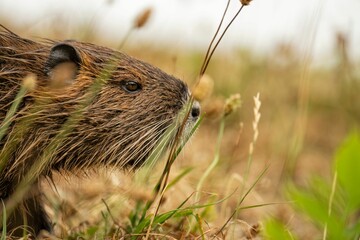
(123, 122)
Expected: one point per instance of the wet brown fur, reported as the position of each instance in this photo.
(117, 129)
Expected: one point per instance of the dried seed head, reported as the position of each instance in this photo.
(232, 103)
(143, 18)
(255, 123)
(29, 82)
(214, 108)
(245, 2)
(204, 88)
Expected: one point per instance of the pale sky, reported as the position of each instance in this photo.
(191, 23)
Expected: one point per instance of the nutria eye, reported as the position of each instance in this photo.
(130, 86)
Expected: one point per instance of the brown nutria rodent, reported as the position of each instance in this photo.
(120, 126)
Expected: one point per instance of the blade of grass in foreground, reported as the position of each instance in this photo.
(10, 114)
(162, 185)
(213, 163)
(242, 200)
(159, 183)
(209, 169)
(179, 177)
(149, 221)
(3, 234)
(26, 86)
(198, 220)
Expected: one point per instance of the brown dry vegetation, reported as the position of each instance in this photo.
(303, 119)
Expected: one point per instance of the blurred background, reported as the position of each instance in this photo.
(302, 57)
(190, 23)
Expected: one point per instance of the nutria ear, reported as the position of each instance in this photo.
(62, 65)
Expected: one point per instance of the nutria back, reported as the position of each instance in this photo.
(130, 104)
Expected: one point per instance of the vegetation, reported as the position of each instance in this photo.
(331, 207)
(245, 172)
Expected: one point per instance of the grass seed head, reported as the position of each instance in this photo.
(255, 123)
(143, 18)
(29, 82)
(245, 2)
(232, 103)
(204, 88)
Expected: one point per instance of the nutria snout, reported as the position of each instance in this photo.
(132, 107)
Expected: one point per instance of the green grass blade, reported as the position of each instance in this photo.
(3, 233)
(9, 117)
(145, 222)
(254, 184)
(179, 177)
(243, 198)
(213, 163)
(198, 220)
(275, 230)
(166, 168)
(347, 162)
(11, 112)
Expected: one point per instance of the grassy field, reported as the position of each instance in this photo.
(307, 110)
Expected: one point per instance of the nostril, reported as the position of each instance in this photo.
(195, 111)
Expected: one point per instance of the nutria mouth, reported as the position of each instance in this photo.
(126, 114)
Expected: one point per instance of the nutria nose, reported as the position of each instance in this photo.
(195, 110)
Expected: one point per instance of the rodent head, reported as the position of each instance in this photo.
(127, 117)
